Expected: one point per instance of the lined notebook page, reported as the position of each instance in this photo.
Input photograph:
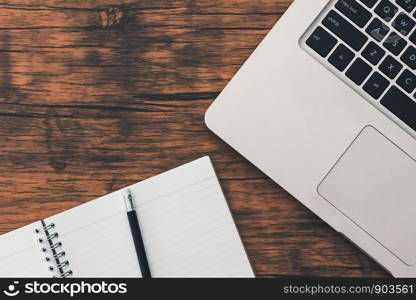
(21, 255)
(187, 229)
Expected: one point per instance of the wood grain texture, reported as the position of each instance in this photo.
(97, 95)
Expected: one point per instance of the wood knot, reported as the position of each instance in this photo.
(111, 16)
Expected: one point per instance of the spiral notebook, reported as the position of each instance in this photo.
(187, 228)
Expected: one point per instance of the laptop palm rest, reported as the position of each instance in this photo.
(373, 184)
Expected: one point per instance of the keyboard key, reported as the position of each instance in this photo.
(321, 41)
(369, 3)
(378, 30)
(358, 71)
(386, 10)
(404, 24)
(390, 67)
(373, 53)
(407, 5)
(407, 80)
(354, 11)
(413, 37)
(341, 57)
(409, 57)
(376, 85)
(395, 43)
(400, 105)
(345, 30)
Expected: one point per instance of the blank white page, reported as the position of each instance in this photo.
(21, 255)
(186, 225)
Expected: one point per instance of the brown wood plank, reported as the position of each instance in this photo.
(100, 94)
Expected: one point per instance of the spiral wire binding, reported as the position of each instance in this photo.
(51, 244)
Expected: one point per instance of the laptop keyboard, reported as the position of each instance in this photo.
(371, 45)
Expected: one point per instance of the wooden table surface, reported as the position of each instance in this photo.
(99, 94)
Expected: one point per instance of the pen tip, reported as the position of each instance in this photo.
(128, 198)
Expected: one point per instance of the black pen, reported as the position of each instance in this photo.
(137, 235)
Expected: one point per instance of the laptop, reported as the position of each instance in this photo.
(326, 107)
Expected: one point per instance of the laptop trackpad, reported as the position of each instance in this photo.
(373, 184)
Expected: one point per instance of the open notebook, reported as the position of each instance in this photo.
(187, 228)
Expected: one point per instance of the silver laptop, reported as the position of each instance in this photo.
(326, 107)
